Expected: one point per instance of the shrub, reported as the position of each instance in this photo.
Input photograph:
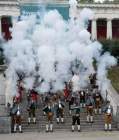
(111, 46)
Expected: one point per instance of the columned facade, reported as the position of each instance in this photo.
(109, 29)
(105, 24)
(105, 30)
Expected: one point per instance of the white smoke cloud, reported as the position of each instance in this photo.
(57, 48)
(86, 14)
(104, 63)
(73, 2)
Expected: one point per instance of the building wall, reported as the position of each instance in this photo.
(30, 8)
(9, 11)
(107, 13)
(105, 23)
(103, 26)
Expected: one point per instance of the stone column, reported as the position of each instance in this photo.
(94, 29)
(14, 20)
(109, 28)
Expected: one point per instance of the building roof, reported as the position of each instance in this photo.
(43, 1)
(97, 5)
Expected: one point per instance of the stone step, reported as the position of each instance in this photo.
(66, 123)
(41, 121)
(66, 116)
(65, 127)
(65, 119)
(68, 130)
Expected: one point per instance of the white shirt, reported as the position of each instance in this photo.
(18, 113)
(109, 109)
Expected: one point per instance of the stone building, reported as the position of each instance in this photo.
(105, 24)
(9, 10)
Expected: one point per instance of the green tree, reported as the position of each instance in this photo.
(85, 1)
(111, 1)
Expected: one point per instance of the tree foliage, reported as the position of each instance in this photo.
(85, 1)
(111, 1)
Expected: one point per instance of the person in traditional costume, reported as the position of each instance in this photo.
(75, 82)
(18, 119)
(98, 102)
(34, 96)
(90, 108)
(66, 92)
(20, 91)
(49, 110)
(60, 111)
(13, 110)
(75, 117)
(32, 111)
(108, 111)
(71, 102)
(92, 79)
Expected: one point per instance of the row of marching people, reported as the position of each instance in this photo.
(17, 109)
(93, 105)
(54, 106)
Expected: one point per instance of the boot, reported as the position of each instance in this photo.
(91, 119)
(51, 127)
(29, 120)
(110, 127)
(20, 130)
(15, 128)
(57, 120)
(105, 127)
(62, 120)
(95, 111)
(73, 128)
(34, 120)
(47, 128)
(88, 118)
(100, 111)
(79, 128)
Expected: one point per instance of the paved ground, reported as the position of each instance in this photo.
(62, 136)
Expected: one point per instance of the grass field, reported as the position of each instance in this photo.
(113, 75)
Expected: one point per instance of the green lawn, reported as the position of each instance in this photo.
(113, 75)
